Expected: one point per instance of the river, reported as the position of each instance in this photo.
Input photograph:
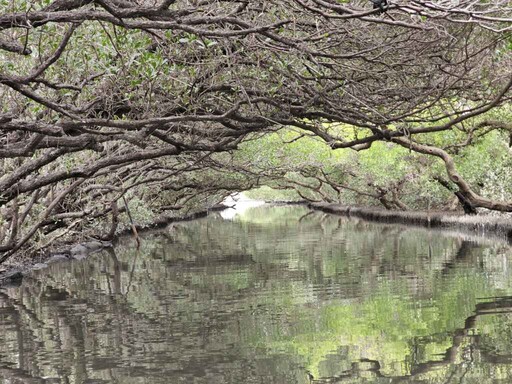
(276, 294)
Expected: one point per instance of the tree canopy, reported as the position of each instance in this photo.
(154, 106)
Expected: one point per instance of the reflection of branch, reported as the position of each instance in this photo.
(462, 253)
(7, 372)
(354, 371)
(504, 305)
(306, 215)
(501, 305)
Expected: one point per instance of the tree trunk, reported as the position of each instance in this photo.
(465, 190)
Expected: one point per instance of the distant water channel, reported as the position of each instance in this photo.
(274, 295)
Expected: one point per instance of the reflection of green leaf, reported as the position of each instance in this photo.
(269, 217)
(384, 326)
(324, 294)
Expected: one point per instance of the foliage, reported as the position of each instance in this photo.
(176, 104)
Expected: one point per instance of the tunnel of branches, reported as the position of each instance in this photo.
(119, 111)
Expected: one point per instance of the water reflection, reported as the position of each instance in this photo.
(276, 295)
(238, 204)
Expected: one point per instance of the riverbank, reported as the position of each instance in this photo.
(478, 224)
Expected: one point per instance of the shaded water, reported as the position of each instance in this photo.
(278, 295)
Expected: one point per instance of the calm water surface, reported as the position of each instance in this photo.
(276, 295)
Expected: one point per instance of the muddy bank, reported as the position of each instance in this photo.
(13, 275)
(480, 224)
